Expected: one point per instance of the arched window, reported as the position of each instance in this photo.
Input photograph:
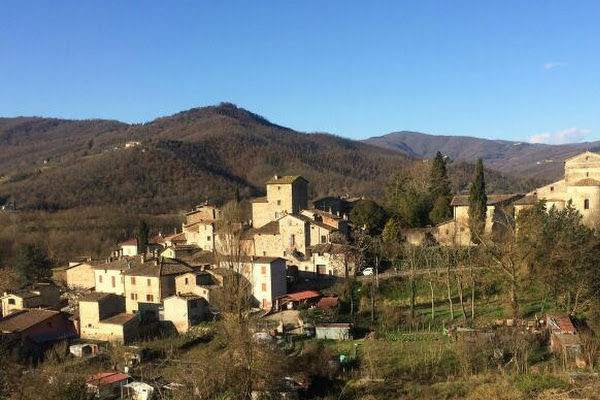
(586, 204)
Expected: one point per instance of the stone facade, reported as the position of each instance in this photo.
(285, 195)
(75, 275)
(185, 311)
(101, 317)
(580, 186)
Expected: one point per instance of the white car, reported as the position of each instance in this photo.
(368, 271)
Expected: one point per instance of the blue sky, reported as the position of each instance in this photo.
(520, 70)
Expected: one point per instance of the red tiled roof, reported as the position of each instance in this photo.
(129, 242)
(176, 237)
(119, 319)
(307, 294)
(561, 322)
(158, 239)
(107, 378)
(328, 302)
(21, 320)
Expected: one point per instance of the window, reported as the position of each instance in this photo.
(149, 297)
(208, 238)
(100, 278)
(278, 202)
(263, 270)
(323, 238)
(133, 280)
(587, 174)
(264, 253)
(292, 240)
(113, 281)
(133, 296)
(11, 302)
(586, 204)
(264, 287)
(186, 281)
(149, 282)
(278, 187)
(552, 188)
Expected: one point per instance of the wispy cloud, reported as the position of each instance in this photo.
(554, 65)
(571, 135)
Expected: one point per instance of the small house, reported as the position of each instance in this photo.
(139, 391)
(293, 300)
(185, 310)
(108, 384)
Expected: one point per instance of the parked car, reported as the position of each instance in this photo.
(368, 271)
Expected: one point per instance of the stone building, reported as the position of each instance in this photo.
(580, 186)
(40, 295)
(285, 195)
(266, 277)
(75, 275)
(185, 310)
(151, 282)
(102, 317)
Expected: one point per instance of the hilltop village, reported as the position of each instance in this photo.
(296, 268)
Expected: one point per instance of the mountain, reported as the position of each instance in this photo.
(202, 153)
(540, 161)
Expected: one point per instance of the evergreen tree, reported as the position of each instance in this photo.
(368, 215)
(439, 190)
(477, 203)
(31, 263)
(141, 236)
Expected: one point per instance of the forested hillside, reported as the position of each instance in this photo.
(535, 160)
(203, 153)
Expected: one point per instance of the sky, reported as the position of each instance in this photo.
(514, 70)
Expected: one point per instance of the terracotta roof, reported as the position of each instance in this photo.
(259, 200)
(96, 296)
(176, 237)
(187, 296)
(284, 180)
(158, 239)
(129, 242)
(119, 319)
(322, 213)
(307, 294)
(331, 248)
(323, 225)
(586, 182)
(328, 302)
(492, 199)
(164, 268)
(260, 259)
(106, 378)
(200, 257)
(21, 320)
(560, 322)
(527, 200)
(121, 264)
(271, 228)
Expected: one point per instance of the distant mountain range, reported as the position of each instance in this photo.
(203, 153)
(540, 161)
